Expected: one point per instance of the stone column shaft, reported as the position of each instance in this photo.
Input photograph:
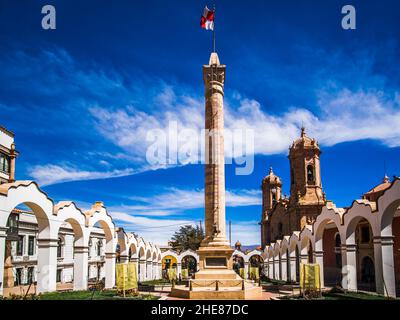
(47, 265)
(110, 270)
(81, 267)
(214, 78)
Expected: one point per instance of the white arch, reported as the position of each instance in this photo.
(251, 254)
(133, 244)
(387, 206)
(306, 238)
(186, 253)
(99, 214)
(170, 253)
(29, 193)
(67, 211)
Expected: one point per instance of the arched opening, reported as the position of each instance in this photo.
(149, 266)
(310, 174)
(332, 259)
(390, 227)
(189, 263)
(142, 264)
(396, 250)
(297, 253)
(101, 266)
(132, 253)
(367, 270)
(168, 262)
(22, 256)
(310, 252)
(154, 265)
(364, 258)
(288, 269)
(238, 265)
(256, 263)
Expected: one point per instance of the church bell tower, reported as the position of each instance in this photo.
(306, 193)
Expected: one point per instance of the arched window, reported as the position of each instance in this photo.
(99, 245)
(337, 240)
(59, 247)
(273, 198)
(90, 247)
(310, 174)
(338, 254)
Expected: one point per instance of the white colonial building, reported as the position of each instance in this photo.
(54, 244)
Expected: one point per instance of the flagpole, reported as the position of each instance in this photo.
(214, 32)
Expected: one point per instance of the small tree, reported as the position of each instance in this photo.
(187, 237)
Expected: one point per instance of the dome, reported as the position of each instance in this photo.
(304, 141)
(271, 178)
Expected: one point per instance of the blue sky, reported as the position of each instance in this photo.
(81, 98)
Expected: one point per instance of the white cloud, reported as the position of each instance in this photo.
(176, 201)
(147, 219)
(343, 116)
(248, 232)
(51, 174)
(159, 231)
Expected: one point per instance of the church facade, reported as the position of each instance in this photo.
(282, 215)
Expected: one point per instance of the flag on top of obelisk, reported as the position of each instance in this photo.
(207, 19)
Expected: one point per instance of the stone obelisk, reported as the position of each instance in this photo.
(215, 252)
(216, 278)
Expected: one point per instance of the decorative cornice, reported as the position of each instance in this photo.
(7, 132)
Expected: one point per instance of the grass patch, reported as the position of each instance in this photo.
(341, 296)
(87, 295)
(160, 282)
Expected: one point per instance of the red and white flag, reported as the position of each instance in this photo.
(207, 19)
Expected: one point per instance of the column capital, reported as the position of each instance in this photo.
(46, 243)
(319, 254)
(110, 255)
(384, 240)
(3, 232)
(349, 247)
(81, 249)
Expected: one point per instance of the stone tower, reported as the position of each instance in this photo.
(271, 194)
(271, 190)
(306, 193)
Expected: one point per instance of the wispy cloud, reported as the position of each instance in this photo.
(51, 174)
(176, 201)
(159, 231)
(342, 116)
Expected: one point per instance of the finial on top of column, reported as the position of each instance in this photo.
(214, 60)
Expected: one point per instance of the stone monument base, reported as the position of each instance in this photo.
(251, 292)
(216, 278)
